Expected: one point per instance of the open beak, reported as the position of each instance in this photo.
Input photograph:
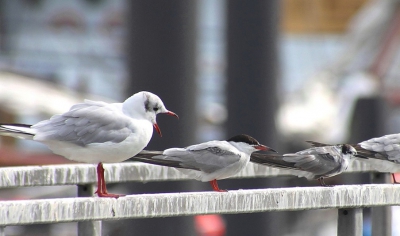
(157, 129)
(170, 113)
(264, 148)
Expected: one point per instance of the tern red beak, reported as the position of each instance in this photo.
(157, 129)
(170, 113)
(264, 148)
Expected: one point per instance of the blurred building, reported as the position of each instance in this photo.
(347, 50)
(79, 44)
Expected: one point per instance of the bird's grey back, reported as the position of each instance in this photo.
(85, 123)
(320, 161)
(361, 152)
(208, 159)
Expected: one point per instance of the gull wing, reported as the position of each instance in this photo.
(85, 123)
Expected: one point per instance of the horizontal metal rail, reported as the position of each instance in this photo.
(193, 203)
(74, 174)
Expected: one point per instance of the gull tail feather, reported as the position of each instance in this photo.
(21, 131)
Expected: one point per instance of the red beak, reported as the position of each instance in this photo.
(264, 148)
(157, 129)
(170, 113)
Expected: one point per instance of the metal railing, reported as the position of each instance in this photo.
(90, 211)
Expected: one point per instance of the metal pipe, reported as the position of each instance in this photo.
(88, 228)
(252, 77)
(381, 217)
(350, 222)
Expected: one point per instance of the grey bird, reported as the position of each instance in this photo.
(209, 161)
(382, 153)
(313, 163)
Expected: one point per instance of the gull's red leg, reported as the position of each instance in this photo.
(215, 187)
(100, 172)
(101, 184)
(103, 181)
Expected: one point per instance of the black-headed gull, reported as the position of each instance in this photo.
(97, 132)
(313, 163)
(209, 161)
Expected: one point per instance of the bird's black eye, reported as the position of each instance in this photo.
(347, 149)
(155, 109)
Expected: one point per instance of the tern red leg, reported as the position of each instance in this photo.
(215, 187)
(394, 178)
(101, 184)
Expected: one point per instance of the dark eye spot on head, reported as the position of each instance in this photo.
(147, 105)
(347, 149)
(155, 109)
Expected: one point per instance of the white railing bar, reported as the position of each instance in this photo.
(73, 174)
(194, 203)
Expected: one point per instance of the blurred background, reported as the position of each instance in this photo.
(281, 71)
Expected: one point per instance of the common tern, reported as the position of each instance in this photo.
(313, 163)
(382, 153)
(97, 132)
(209, 161)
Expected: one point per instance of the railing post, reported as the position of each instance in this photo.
(2, 231)
(350, 222)
(381, 217)
(88, 228)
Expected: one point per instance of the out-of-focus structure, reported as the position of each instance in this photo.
(364, 66)
(332, 53)
(78, 44)
(25, 99)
